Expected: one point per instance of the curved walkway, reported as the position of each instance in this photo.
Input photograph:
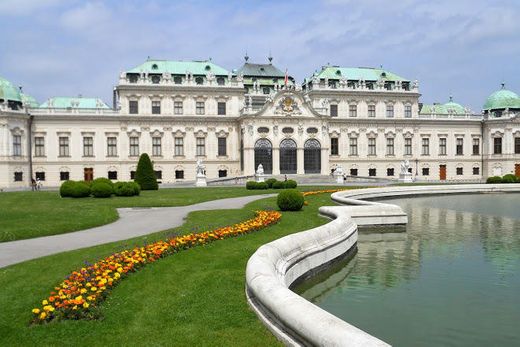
(132, 222)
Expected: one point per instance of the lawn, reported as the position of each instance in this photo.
(25, 215)
(195, 297)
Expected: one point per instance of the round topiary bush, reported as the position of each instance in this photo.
(66, 189)
(144, 174)
(494, 179)
(124, 189)
(509, 178)
(291, 184)
(278, 185)
(251, 185)
(261, 185)
(137, 188)
(290, 200)
(270, 182)
(80, 190)
(101, 190)
(103, 180)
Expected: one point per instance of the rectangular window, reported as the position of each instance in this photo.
(425, 146)
(476, 146)
(353, 172)
(517, 145)
(132, 175)
(40, 176)
(371, 172)
(88, 146)
(222, 173)
(64, 146)
(201, 146)
(111, 146)
(177, 107)
(156, 107)
(476, 171)
(497, 145)
(199, 109)
(334, 146)
(134, 146)
(64, 175)
(459, 146)
(442, 146)
(39, 146)
(222, 146)
(460, 171)
(158, 174)
(221, 108)
(372, 146)
(352, 110)
(408, 111)
(177, 79)
(179, 146)
(17, 145)
(426, 171)
(390, 171)
(112, 175)
(353, 146)
(371, 110)
(133, 106)
(407, 146)
(389, 110)
(390, 146)
(18, 176)
(333, 110)
(179, 174)
(156, 146)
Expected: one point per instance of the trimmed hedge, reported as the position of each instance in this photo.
(290, 200)
(103, 180)
(80, 189)
(291, 184)
(509, 178)
(126, 189)
(494, 179)
(270, 182)
(253, 185)
(66, 189)
(144, 174)
(278, 185)
(101, 189)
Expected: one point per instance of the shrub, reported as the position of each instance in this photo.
(101, 190)
(270, 182)
(126, 189)
(494, 179)
(66, 189)
(144, 174)
(278, 185)
(291, 184)
(137, 188)
(80, 190)
(103, 180)
(262, 185)
(251, 185)
(290, 200)
(509, 178)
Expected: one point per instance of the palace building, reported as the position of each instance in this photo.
(365, 119)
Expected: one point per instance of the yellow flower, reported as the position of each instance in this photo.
(86, 305)
(36, 310)
(45, 302)
(43, 315)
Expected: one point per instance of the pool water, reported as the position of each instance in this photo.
(450, 278)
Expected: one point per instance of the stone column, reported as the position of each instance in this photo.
(249, 161)
(325, 161)
(276, 161)
(299, 161)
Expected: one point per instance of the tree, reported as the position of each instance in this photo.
(144, 175)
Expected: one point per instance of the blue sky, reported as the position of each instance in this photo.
(70, 47)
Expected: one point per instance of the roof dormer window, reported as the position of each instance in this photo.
(154, 67)
(207, 68)
(338, 72)
(199, 80)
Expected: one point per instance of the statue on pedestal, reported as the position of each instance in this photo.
(200, 178)
(339, 174)
(259, 175)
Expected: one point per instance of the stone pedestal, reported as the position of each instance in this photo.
(200, 180)
(260, 177)
(338, 177)
(405, 177)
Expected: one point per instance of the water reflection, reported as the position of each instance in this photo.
(451, 279)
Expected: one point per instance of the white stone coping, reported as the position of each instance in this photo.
(276, 265)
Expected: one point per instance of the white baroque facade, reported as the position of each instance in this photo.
(366, 120)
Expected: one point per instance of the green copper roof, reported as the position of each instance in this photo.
(180, 67)
(79, 102)
(260, 70)
(502, 99)
(8, 91)
(365, 73)
(450, 107)
(27, 99)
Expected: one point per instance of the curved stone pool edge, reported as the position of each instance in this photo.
(275, 266)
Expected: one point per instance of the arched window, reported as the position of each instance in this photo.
(312, 156)
(288, 161)
(264, 155)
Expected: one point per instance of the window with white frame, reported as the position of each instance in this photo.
(199, 107)
(179, 146)
(221, 108)
(88, 146)
(353, 146)
(371, 146)
(442, 146)
(222, 146)
(156, 146)
(17, 145)
(407, 111)
(39, 146)
(133, 107)
(407, 146)
(201, 146)
(177, 107)
(459, 146)
(111, 146)
(63, 142)
(156, 107)
(476, 146)
(371, 110)
(425, 146)
(18, 176)
(390, 146)
(134, 146)
(352, 110)
(497, 145)
(333, 110)
(389, 110)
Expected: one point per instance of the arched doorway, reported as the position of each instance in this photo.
(288, 157)
(312, 156)
(264, 155)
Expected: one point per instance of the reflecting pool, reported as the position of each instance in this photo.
(450, 278)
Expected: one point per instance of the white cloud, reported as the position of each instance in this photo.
(26, 7)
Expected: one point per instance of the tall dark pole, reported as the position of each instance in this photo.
(29, 144)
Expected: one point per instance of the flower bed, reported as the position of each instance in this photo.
(321, 191)
(78, 296)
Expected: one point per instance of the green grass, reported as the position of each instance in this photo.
(25, 215)
(192, 298)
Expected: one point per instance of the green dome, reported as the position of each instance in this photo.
(453, 107)
(27, 99)
(501, 99)
(8, 91)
